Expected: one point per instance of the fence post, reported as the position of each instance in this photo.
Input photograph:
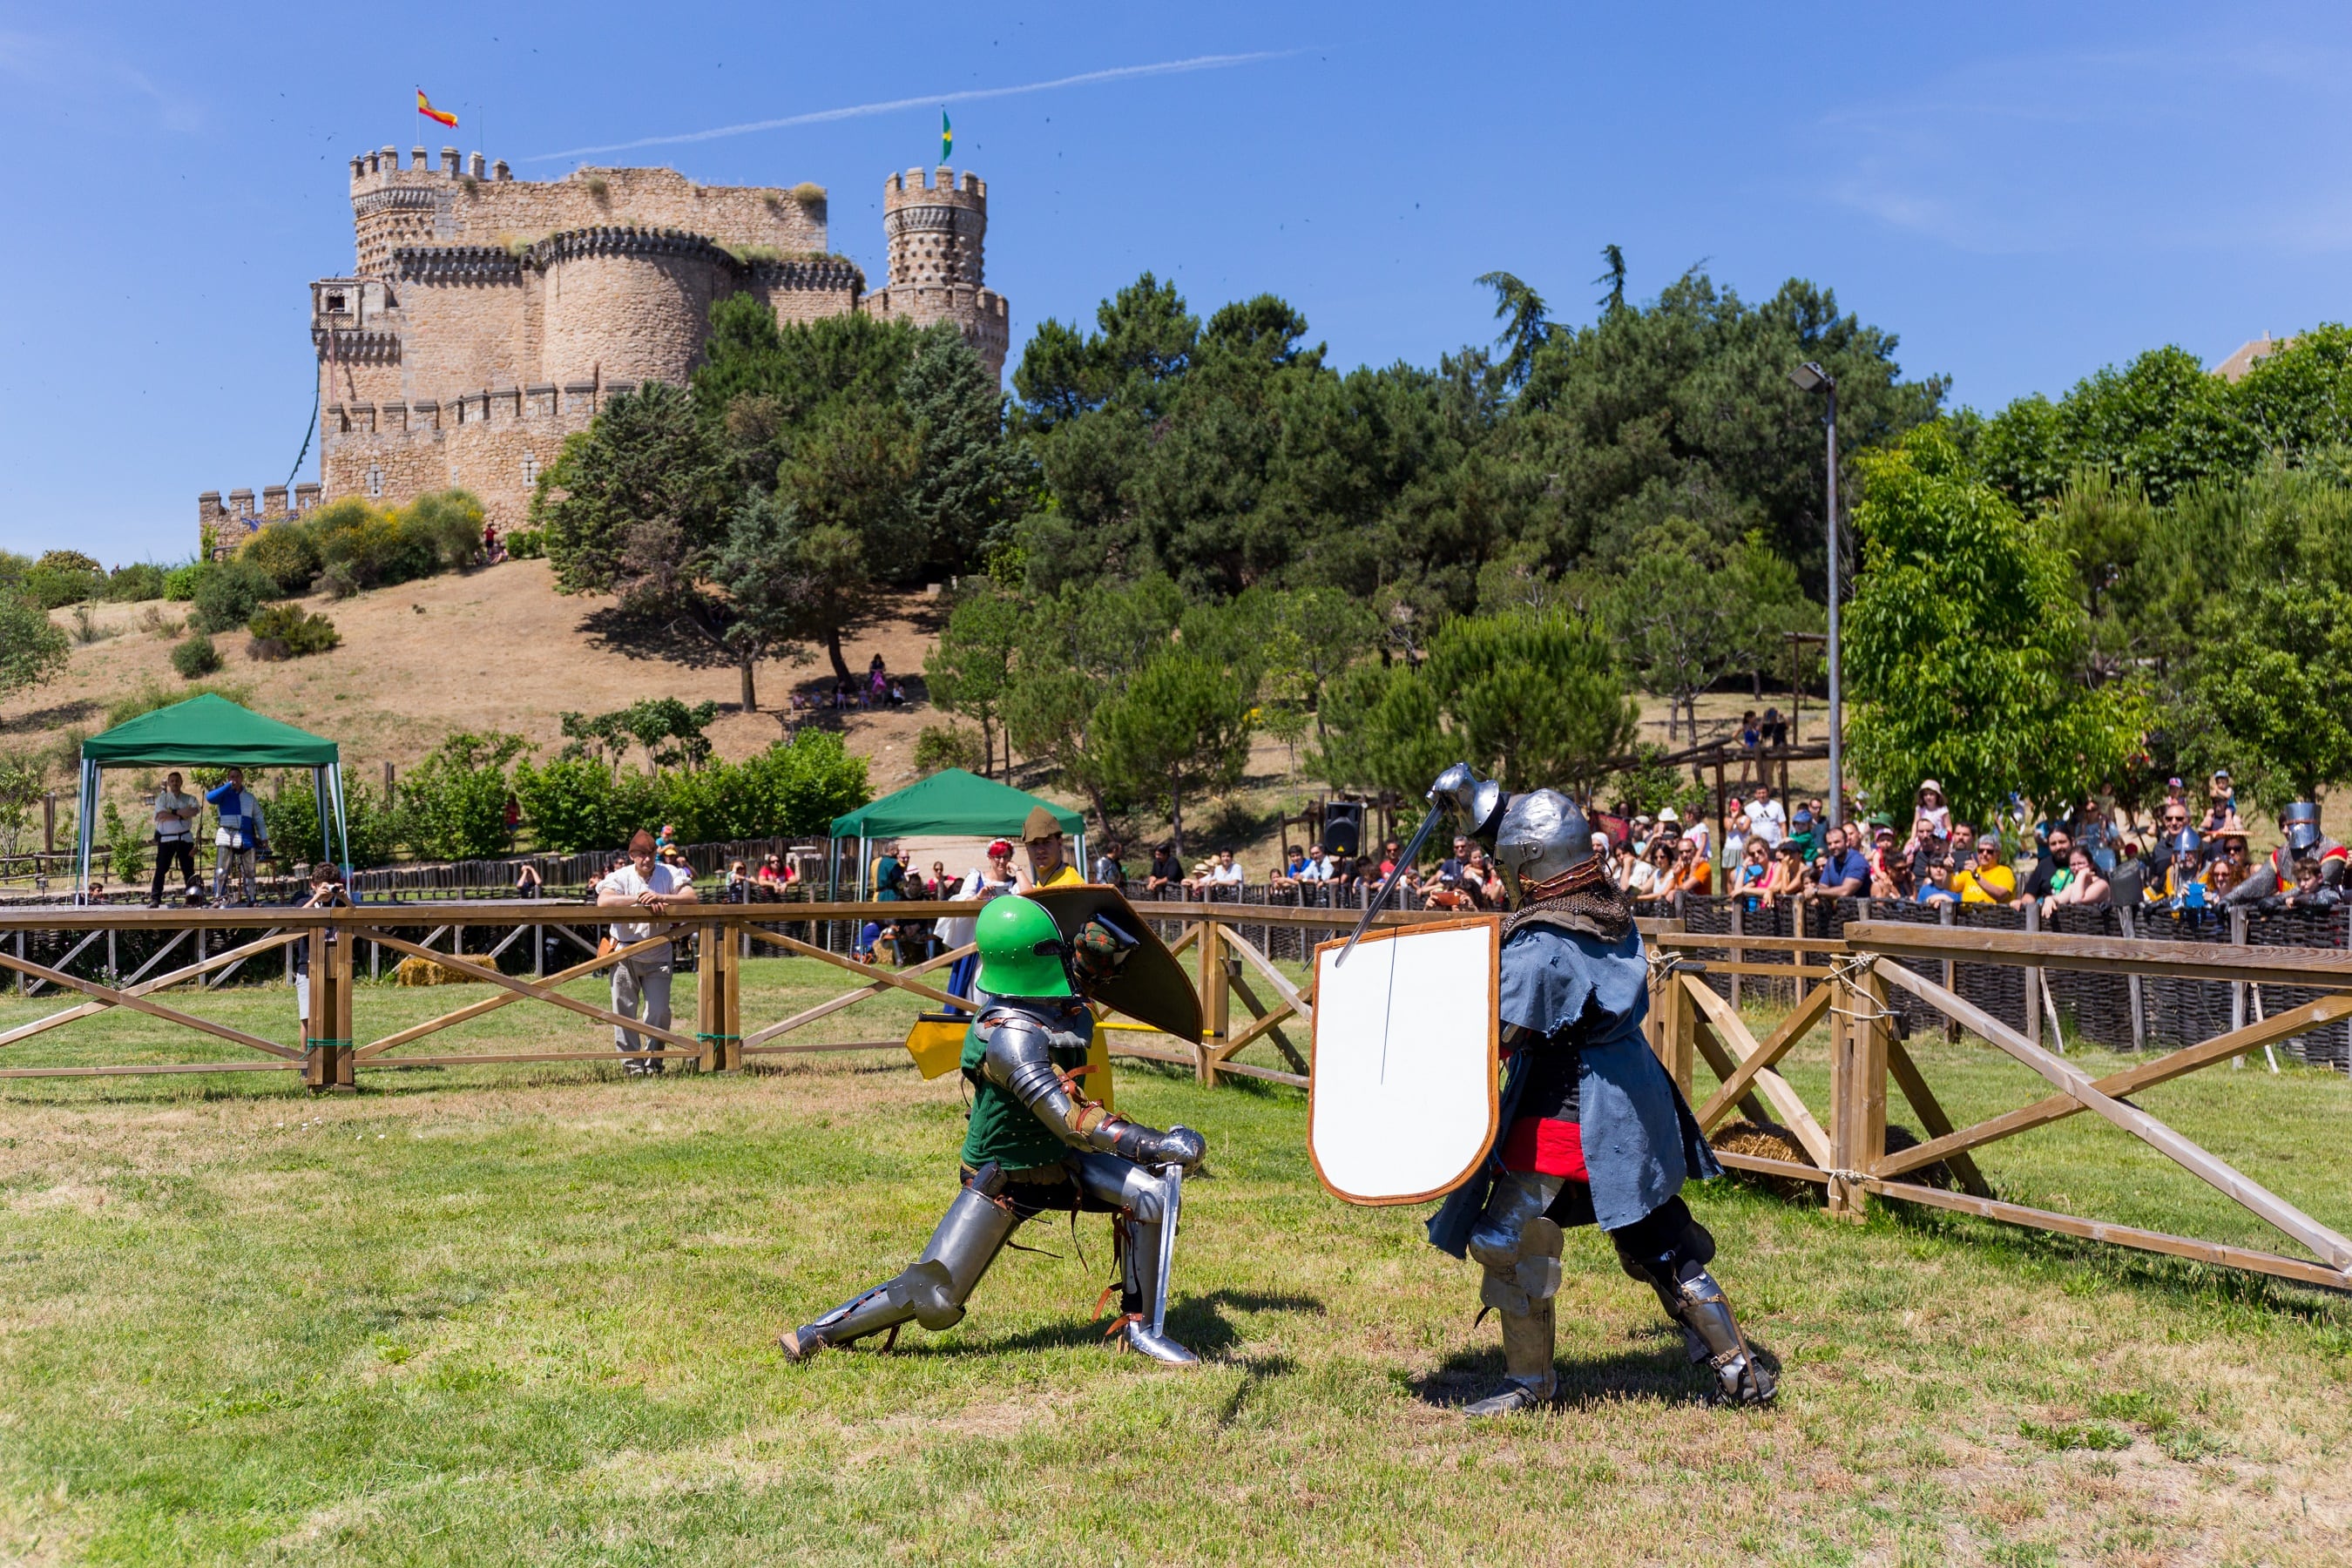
(2032, 978)
(1944, 917)
(343, 961)
(1738, 953)
(718, 1003)
(2132, 990)
(1216, 1001)
(1851, 1091)
(2237, 988)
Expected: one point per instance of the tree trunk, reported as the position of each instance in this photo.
(751, 691)
(832, 647)
(1176, 821)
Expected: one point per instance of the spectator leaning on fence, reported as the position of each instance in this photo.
(2053, 861)
(1845, 871)
(2078, 882)
(175, 816)
(239, 838)
(1222, 879)
(641, 983)
(1987, 881)
(1935, 881)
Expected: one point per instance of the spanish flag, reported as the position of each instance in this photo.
(947, 135)
(424, 106)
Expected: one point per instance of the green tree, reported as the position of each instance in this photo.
(1963, 642)
(970, 668)
(1669, 612)
(33, 649)
(453, 804)
(1180, 729)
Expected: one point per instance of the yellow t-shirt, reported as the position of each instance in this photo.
(1067, 876)
(1976, 887)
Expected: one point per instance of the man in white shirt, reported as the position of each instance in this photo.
(176, 817)
(1766, 818)
(641, 983)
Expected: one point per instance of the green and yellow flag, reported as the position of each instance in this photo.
(947, 137)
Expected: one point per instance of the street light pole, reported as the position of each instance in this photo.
(1811, 377)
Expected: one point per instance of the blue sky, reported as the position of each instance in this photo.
(2024, 193)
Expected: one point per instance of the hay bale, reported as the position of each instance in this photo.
(1769, 1140)
(1938, 1175)
(425, 971)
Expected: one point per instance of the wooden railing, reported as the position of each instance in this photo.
(1854, 986)
(716, 937)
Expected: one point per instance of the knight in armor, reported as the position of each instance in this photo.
(2301, 838)
(1594, 1131)
(1035, 1144)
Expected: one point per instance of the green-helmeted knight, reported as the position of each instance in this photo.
(1035, 1144)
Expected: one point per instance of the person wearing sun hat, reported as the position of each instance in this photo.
(1035, 1144)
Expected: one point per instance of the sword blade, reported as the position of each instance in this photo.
(1388, 885)
(1174, 1175)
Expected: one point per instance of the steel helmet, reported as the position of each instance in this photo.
(2301, 821)
(2187, 842)
(1020, 950)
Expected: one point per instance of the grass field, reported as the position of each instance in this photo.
(527, 1314)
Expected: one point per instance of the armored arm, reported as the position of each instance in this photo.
(1020, 1059)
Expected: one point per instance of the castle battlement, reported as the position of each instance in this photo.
(226, 524)
(487, 318)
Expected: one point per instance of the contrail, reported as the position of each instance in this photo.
(854, 110)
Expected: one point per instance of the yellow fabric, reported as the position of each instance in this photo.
(1066, 876)
(1976, 887)
(936, 1043)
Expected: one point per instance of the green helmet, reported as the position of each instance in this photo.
(1020, 950)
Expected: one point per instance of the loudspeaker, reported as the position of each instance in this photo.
(1343, 827)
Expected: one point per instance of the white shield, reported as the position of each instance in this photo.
(1401, 1102)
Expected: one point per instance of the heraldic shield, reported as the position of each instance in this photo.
(1403, 1102)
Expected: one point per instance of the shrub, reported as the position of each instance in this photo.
(72, 560)
(361, 546)
(449, 523)
(126, 851)
(286, 553)
(230, 594)
(578, 803)
(52, 586)
(527, 545)
(286, 631)
(453, 806)
(137, 580)
(948, 746)
(292, 813)
(196, 657)
(179, 582)
(166, 627)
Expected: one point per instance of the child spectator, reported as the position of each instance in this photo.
(1932, 810)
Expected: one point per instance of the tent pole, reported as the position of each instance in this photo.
(1085, 872)
(82, 829)
(343, 827)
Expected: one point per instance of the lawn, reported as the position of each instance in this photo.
(527, 1313)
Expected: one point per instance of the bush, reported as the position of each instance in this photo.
(948, 746)
(286, 631)
(292, 813)
(72, 560)
(286, 553)
(139, 580)
(179, 582)
(792, 789)
(52, 586)
(527, 545)
(448, 522)
(196, 657)
(126, 851)
(230, 594)
(576, 804)
(453, 806)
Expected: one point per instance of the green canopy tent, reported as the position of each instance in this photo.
(950, 801)
(213, 732)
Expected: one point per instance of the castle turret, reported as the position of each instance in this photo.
(937, 232)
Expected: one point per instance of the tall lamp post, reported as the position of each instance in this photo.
(1811, 377)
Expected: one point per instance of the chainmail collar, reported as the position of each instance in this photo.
(1596, 910)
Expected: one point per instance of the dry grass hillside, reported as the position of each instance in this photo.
(496, 649)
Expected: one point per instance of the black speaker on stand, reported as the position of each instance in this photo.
(1343, 827)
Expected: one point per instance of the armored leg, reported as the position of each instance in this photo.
(1669, 1251)
(1518, 1251)
(1142, 1196)
(932, 1291)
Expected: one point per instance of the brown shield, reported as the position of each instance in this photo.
(1151, 987)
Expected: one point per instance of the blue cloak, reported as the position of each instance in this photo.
(1641, 1140)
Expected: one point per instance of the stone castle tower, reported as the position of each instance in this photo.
(488, 318)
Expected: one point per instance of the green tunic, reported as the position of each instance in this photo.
(1003, 1129)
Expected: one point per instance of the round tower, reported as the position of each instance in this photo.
(627, 304)
(937, 229)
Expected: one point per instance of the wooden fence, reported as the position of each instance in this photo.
(1871, 986)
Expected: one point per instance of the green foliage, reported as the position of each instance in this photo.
(33, 649)
(1962, 644)
(230, 593)
(286, 553)
(24, 778)
(453, 804)
(1076, 653)
(179, 582)
(362, 546)
(292, 813)
(196, 657)
(2058, 1437)
(969, 670)
(1181, 729)
(672, 734)
(139, 580)
(950, 747)
(288, 631)
(63, 577)
(577, 803)
(526, 544)
(126, 850)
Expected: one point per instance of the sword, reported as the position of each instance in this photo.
(1174, 1175)
(1388, 885)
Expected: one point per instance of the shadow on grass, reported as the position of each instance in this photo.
(1197, 1323)
(1664, 1374)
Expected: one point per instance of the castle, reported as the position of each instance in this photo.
(488, 318)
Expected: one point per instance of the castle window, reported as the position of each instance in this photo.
(335, 303)
(375, 483)
(529, 469)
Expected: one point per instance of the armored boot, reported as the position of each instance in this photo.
(1524, 1298)
(1147, 1246)
(1668, 1251)
(930, 1291)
